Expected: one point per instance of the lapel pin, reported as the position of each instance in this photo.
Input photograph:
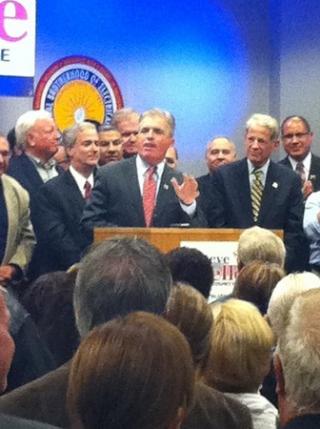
(275, 185)
(165, 186)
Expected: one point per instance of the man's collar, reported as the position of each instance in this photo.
(263, 168)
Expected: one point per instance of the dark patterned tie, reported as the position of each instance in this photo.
(149, 194)
(87, 190)
(301, 171)
(256, 194)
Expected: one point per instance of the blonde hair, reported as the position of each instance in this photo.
(241, 347)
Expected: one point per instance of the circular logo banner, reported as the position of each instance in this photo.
(77, 88)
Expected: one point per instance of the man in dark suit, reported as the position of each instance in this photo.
(38, 136)
(121, 196)
(257, 191)
(61, 200)
(296, 136)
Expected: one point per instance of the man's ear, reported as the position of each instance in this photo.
(279, 375)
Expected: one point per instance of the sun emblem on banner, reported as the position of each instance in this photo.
(77, 88)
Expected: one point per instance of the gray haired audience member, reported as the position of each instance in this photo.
(116, 277)
(297, 364)
(258, 243)
(191, 266)
(189, 311)
(283, 296)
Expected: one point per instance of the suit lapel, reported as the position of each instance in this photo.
(12, 214)
(271, 188)
(132, 187)
(242, 184)
(74, 192)
(164, 193)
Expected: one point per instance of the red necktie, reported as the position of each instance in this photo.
(87, 190)
(149, 194)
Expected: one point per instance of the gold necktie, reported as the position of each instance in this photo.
(256, 194)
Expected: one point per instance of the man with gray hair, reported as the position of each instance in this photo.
(38, 137)
(143, 190)
(61, 200)
(297, 364)
(257, 191)
(116, 277)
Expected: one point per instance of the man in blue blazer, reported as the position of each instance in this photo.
(280, 203)
(117, 198)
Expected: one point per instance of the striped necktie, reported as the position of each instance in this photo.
(301, 171)
(256, 193)
(149, 194)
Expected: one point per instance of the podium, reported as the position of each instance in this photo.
(166, 239)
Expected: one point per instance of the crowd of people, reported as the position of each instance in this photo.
(119, 335)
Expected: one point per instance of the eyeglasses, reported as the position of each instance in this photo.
(298, 136)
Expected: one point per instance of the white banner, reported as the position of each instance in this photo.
(17, 37)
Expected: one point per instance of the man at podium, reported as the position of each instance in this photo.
(143, 191)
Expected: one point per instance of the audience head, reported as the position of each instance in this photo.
(260, 244)
(5, 154)
(191, 266)
(119, 276)
(283, 296)
(132, 372)
(260, 138)
(37, 134)
(189, 311)
(172, 157)
(126, 121)
(256, 281)
(81, 143)
(241, 348)
(6, 342)
(220, 151)
(297, 362)
(49, 301)
(110, 145)
(296, 136)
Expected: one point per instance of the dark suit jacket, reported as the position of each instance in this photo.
(10, 422)
(281, 205)
(205, 189)
(45, 400)
(116, 200)
(60, 206)
(24, 171)
(314, 174)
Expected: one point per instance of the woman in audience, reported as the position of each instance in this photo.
(132, 372)
(189, 311)
(240, 358)
(256, 281)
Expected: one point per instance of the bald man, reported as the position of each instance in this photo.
(220, 151)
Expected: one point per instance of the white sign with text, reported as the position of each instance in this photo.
(17, 37)
(223, 255)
